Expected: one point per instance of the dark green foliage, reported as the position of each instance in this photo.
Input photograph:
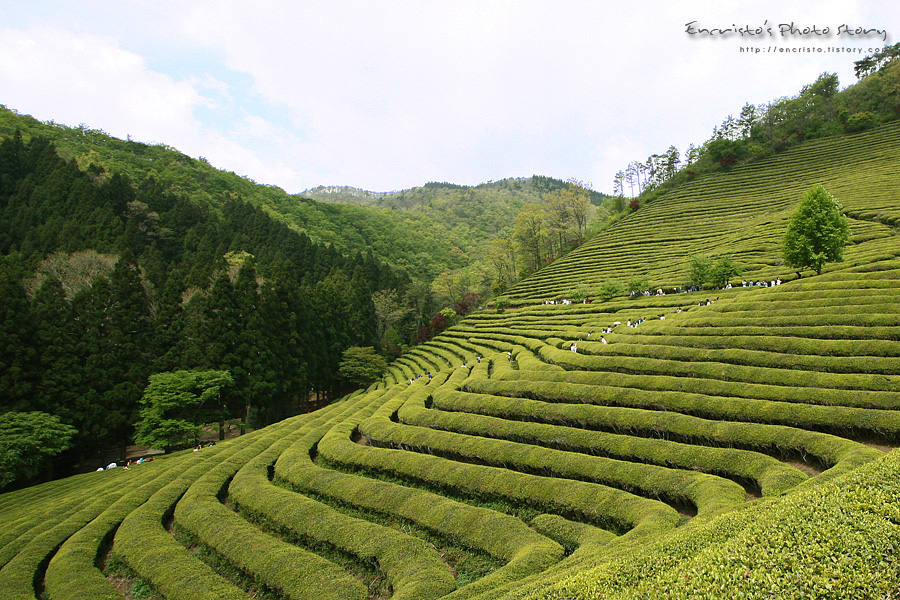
(362, 366)
(176, 404)
(817, 232)
(104, 283)
(19, 357)
(27, 443)
(726, 152)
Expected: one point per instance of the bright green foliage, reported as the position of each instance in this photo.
(835, 541)
(817, 233)
(175, 404)
(362, 366)
(861, 121)
(742, 214)
(700, 270)
(637, 284)
(723, 271)
(27, 441)
(610, 289)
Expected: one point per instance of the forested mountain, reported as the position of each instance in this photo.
(103, 283)
(119, 260)
(436, 196)
(450, 228)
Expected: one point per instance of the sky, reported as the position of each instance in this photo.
(388, 95)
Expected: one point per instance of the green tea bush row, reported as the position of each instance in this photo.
(882, 423)
(889, 400)
(504, 537)
(15, 504)
(835, 453)
(732, 204)
(19, 576)
(709, 494)
(437, 356)
(427, 360)
(20, 532)
(707, 367)
(857, 349)
(146, 547)
(769, 475)
(874, 316)
(56, 501)
(413, 568)
(884, 365)
(814, 332)
(72, 573)
(571, 534)
(600, 504)
(849, 550)
(293, 572)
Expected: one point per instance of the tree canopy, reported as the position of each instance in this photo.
(362, 366)
(817, 232)
(28, 440)
(176, 404)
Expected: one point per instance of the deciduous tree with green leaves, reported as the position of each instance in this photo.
(723, 271)
(362, 365)
(176, 404)
(699, 270)
(817, 232)
(28, 440)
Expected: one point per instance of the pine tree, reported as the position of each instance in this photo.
(18, 355)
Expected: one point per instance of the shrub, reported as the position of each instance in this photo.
(861, 121)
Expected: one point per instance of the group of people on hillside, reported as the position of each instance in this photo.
(565, 301)
(647, 293)
(139, 461)
(773, 283)
(420, 377)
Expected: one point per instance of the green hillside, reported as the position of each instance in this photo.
(445, 197)
(424, 231)
(734, 449)
(742, 214)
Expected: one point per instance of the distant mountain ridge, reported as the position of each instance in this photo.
(344, 194)
(529, 188)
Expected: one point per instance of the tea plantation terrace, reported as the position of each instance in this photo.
(742, 448)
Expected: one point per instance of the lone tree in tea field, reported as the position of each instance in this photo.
(176, 404)
(817, 232)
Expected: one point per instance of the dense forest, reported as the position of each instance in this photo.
(423, 231)
(103, 283)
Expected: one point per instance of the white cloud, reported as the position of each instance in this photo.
(75, 78)
(386, 95)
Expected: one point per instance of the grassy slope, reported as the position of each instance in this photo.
(742, 213)
(729, 450)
